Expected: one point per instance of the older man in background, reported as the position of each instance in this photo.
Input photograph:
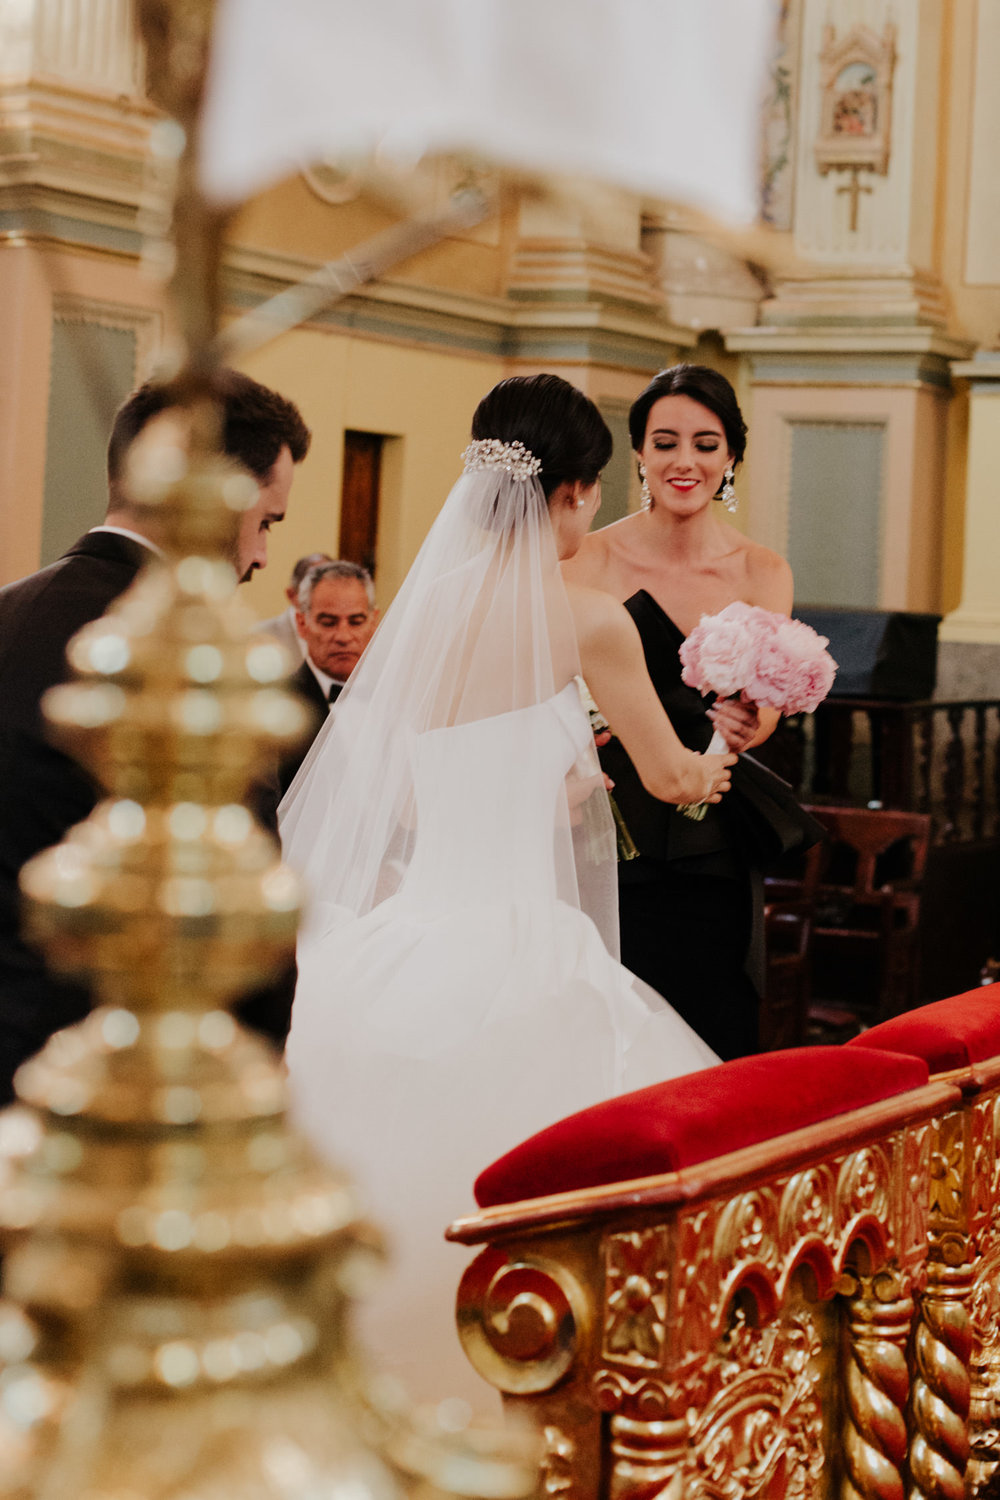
(283, 626)
(336, 618)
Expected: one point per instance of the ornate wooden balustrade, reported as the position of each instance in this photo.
(941, 758)
(736, 1323)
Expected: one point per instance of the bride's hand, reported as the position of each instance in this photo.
(712, 776)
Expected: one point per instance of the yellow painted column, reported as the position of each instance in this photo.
(25, 332)
(977, 618)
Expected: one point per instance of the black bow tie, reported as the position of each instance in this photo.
(336, 688)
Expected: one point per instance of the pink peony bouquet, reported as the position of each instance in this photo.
(764, 658)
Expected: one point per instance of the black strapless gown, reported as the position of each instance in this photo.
(691, 905)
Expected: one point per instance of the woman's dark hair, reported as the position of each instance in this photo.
(559, 424)
(707, 387)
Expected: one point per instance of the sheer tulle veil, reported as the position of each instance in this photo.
(480, 628)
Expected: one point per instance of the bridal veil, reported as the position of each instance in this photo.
(480, 628)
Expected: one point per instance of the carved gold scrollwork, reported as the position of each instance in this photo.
(520, 1320)
(557, 1464)
(940, 1400)
(646, 1457)
(982, 1166)
(876, 1387)
(755, 1422)
(916, 1149)
(807, 1205)
(746, 1229)
(635, 1296)
(947, 1171)
(983, 1472)
(697, 1282)
(644, 1399)
(863, 1183)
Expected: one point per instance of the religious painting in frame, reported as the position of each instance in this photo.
(856, 92)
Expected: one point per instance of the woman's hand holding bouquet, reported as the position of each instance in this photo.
(764, 660)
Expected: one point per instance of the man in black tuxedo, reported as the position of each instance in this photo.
(335, 618)
(45, 791)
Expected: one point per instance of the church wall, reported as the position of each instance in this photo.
(969, 216)
(90, 296)
(422, 400)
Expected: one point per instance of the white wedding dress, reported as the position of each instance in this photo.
(470, 1008)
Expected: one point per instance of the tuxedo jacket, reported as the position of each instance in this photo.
(305, 684)
(45, 792)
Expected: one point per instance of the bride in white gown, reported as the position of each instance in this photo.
(458, 981)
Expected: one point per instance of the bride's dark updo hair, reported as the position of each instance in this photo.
(559, 424)
(701, 384)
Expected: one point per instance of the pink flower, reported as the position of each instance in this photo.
(770, 660)
(718, 655)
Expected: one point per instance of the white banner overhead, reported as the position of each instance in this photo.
(662, 96)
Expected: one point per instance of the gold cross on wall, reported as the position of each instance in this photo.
(855, 189)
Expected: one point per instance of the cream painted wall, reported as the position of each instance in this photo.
(25, 333)
(422, 399)
(34, 284)
(970, 130)
(977, 615)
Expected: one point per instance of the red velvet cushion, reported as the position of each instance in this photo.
(691, 1119)
(952, 1033)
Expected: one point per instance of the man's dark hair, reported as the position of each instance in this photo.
(257, 423)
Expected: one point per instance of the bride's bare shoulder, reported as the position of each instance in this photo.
(597, 616)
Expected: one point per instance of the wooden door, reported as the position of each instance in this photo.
(359, 498)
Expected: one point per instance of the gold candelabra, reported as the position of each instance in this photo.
(179, 1266)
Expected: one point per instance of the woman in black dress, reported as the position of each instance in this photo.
(691, 903)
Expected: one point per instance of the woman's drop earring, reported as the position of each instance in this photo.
(647, 494)
(727, 494)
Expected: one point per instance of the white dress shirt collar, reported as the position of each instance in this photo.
(133, 536)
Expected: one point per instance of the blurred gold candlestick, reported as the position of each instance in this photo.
(179, 1265)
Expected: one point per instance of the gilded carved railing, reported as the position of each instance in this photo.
(740, 1327)
(815, 1314)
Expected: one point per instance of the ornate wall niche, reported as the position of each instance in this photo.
(856, 105)
(856, 89)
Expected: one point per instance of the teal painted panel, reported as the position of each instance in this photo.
(617, 476)
(92, 371)
(834, 512)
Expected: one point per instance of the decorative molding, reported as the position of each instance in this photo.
(839, 354)
(92, 43)
(781, 109)
(701, 285)
(146, 324)
(581, 269)
(855, 100)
